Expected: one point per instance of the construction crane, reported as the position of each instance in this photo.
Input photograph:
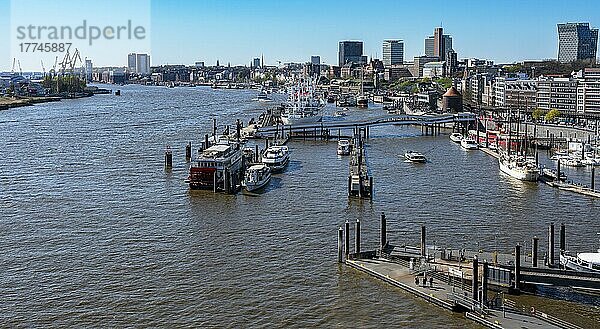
(12, 71)
(53, 71)
(43, 68)
(20, 70)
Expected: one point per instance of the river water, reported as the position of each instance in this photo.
(95, 232)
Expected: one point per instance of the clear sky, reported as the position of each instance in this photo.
(235, 31)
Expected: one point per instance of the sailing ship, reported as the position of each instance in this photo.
(302, 105)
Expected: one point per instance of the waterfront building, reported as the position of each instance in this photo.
(588, 90)
(393, 52)
(577, 41)
(557, 93)
(199, 65)
(515, 92)
(351, 52)
(315, 60)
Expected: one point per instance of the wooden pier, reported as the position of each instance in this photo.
(462, 281)
(360, 183)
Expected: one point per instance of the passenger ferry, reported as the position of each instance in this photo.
(413, 156)
(343, 147)
(276, 157)
(256, 177)
(582, 262)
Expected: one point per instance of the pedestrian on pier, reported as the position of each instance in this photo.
(431, 282)
(417, 281)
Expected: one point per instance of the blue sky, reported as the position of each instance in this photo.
(235, 31)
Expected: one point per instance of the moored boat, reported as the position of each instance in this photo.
(582, 262)
(469, 144)
(518, 168)
(456, 137)
(552, 174)
(216, 167)
(256, 177)
(276, 158)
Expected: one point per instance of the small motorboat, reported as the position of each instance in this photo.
(339, 114)
(551, 173)
(572, 162)
(456, 137)
(469, 143)
(263, 96)
(413, 156)
(256, 177)
(343, 147)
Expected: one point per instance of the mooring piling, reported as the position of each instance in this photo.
(562, 238)
(423, 248)
(347, 242)
(357, 237)
(534, 252)
(340, 245)
(475, 283)
(517, 267)
(551, 245)
(168, 158)
(188, 152)
(383, 231)
(484, 282)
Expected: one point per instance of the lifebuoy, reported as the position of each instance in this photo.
(532, 310)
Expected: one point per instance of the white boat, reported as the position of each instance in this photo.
(263, 97)
(276, 158)
(343, 147)
(456, 137)
(303, 106)
(256, 177)
(413, 156)
(582, 262)
(362, 101)
(518, 168)
(551, 173)
(469, 144)
(591, 161)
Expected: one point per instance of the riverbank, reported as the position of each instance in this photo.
(11, 102)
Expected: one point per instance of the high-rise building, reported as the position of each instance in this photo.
(576, 41)
(131, 60)
(142, 64)
(393, 52)
(315, 60)
(256, 63)
(588, 90)
(438, 43)
(430, 42)
(88, 69)
(351, 52)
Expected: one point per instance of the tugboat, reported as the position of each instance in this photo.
(257, 177)
(276, 158)
(217, 168)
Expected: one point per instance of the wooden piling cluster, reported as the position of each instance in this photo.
(360, 184)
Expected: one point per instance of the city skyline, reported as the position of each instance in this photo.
(237, 31)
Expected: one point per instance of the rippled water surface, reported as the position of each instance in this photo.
(95, 232)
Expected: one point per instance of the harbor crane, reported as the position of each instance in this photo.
(43, 68)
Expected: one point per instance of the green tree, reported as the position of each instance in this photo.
(537, 114)
(552, 115)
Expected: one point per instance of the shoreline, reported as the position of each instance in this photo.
(7, 103)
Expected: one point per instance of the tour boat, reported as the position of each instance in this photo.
(276, 158)
(256, 177)
(413, 156)
(343, 147)
(456, 137)
(518, 168)
(303, 106)
(216, 167)
(582, 262)
(362, 101)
